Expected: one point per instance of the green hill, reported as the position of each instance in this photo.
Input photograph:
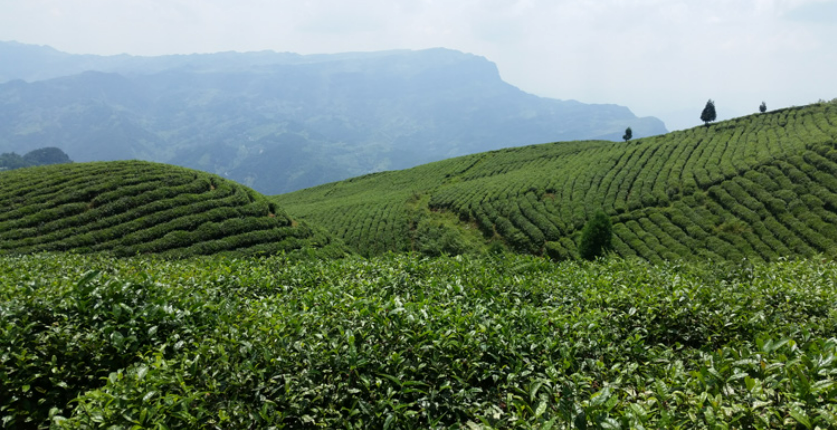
(134, 207)
(760, 187)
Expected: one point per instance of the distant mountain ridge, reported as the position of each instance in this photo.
(279, 122)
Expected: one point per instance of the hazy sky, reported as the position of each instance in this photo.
(658, 57)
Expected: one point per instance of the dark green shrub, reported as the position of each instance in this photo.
(596, 237)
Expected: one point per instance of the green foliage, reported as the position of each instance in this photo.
(628, 134)
(402, 341)
(761, 187)
(496, 248)
(763, 107)
(46, 156)
(11, 161)
(37, 157)
(564, 249)
(708, 114)
(434, 238)
(596, 237)
(129, 208)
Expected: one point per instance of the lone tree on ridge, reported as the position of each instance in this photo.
(596, 237)
(763, 107)
(708, 115)
(628, 134)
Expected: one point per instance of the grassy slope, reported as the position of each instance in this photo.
(134, 207)
(760, 187)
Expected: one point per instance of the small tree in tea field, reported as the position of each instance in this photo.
(708, 115)
(628, 134)
(596, 237)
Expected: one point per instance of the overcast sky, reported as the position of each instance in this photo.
(658, 57)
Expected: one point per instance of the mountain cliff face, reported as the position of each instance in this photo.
(281, 122)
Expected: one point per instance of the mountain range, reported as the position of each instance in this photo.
(280, 122)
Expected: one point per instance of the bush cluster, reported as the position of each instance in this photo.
(410, 342)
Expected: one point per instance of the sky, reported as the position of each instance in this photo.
(662, 58)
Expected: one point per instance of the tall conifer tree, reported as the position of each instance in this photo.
(708, 115)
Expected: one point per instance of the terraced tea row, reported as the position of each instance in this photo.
(760, 186)
(132, 207)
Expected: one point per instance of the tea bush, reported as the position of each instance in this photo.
(403, 341)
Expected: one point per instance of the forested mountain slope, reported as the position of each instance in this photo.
(279, 122)
(37, 157)
(132, 207)
(758, 187)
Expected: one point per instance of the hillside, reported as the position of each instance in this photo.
(279, 122)
(132, 207)
(758, 187)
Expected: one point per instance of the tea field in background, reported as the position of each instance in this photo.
(402, 341)
(760, 187)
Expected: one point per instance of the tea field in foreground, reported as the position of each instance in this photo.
(89, 341)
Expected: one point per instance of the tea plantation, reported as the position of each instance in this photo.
(760, 187)
(132, 207)
(137, 295)
(91, 341)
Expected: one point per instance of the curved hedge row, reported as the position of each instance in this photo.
(761, 187)
(132, 207)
